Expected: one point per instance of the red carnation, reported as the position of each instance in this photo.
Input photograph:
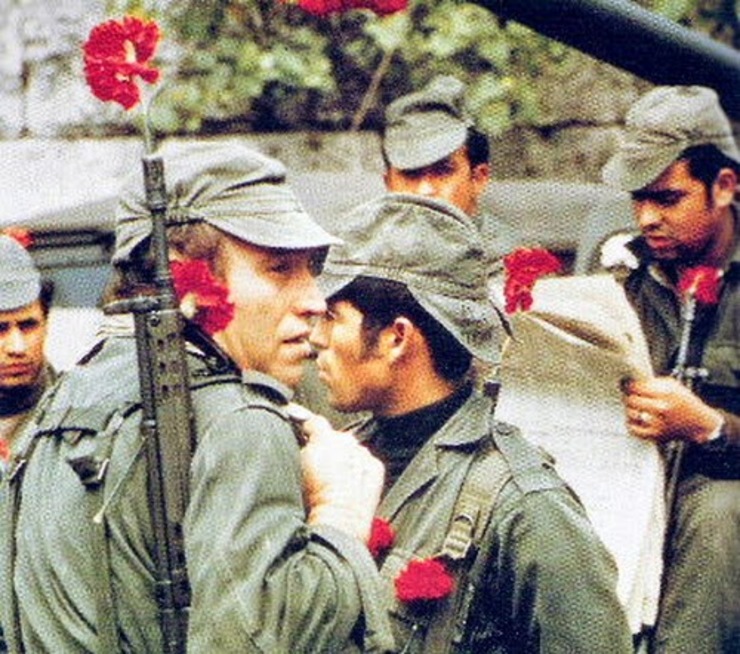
(423, 581)
(4, 450)
(326, 7)
(381, 7)
(20, 234)
(203, 299)
(382, 537)
(523, 267)
(116, 53)
(701, 283)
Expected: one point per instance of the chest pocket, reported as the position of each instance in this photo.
(722, 358)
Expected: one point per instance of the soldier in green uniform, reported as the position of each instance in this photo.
(267, 573)
(24, 310)
(492, 552)
(681, 165)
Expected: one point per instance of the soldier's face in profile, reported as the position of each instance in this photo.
(275, 300)
(22, 336)
(354, 370)
(453, 179)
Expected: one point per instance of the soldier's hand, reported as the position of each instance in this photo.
(342, 481)
(662, 408)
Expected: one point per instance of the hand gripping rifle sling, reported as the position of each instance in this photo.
(166, 423)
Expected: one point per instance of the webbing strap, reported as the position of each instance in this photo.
(487, 475)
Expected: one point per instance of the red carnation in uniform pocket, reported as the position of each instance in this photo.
(116, 53)
(203, 299)
(424, 580)
(382, 537)
(701, 283)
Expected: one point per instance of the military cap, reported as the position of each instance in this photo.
(426, 126)
(432, 248)
(20, 280)
(660, 126)
(234, 188)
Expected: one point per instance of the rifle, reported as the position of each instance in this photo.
(166, 423)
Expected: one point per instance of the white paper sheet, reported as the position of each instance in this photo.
(560, 384)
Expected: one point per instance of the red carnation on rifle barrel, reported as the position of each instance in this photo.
(424, 580)
(203, 299)
(523, 267)
(701, 283)
(382, 537)
(116, 53)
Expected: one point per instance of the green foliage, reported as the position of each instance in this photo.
(268, 65)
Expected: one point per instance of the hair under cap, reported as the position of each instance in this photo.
(20, 280)
(426, 126)
(660, 126)
(432, 248)
(237, 190)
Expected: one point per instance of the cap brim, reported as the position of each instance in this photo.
(290, 231)
(632, 170)
(420, 142)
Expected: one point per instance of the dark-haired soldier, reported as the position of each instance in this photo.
(24, 310)
(489, 550)
(681, 165)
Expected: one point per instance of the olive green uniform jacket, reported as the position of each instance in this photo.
(549, 583)
(261, 580)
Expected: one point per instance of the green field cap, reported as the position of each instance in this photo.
(430, 246)
(426, 126)
(237, 190)
(660, 126)
(20, 280)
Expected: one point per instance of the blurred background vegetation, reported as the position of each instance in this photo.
(266, 65)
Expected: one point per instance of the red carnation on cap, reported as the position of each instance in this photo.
(523, 267)
(382, 537)
(116, 53)
(701, 283)
(424, 580)
(203, 299)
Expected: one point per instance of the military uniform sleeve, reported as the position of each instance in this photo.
(555, 580)
(261, 580)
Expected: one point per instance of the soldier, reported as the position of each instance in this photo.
(492, 552)
(24, 310)
(680, 163)
(267, 574)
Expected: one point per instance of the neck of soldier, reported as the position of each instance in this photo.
(415, 385)
(723, 245)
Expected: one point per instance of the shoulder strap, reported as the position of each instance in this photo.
(487, 475)
(509, 457)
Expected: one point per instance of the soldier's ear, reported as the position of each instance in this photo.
(724, 188)
(397, 340)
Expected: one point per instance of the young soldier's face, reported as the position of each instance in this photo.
(679, 219)
(355, 374)
(22, 336)
(275, 301)
(453, 179)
